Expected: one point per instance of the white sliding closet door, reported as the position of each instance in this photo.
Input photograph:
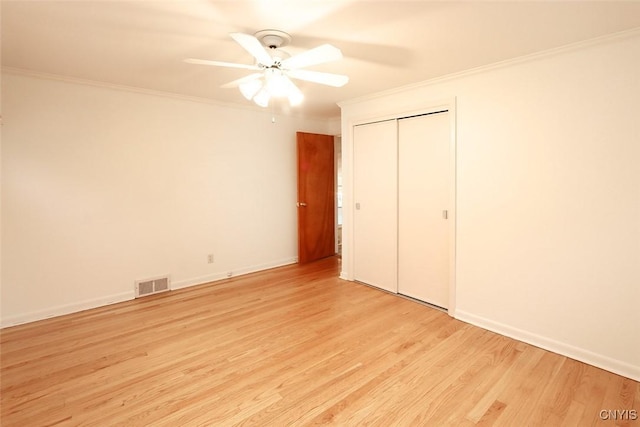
(375, 183)
(423, 198)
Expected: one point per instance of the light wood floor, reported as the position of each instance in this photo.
(291, 346)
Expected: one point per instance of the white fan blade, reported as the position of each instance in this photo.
(221, 64)
(318, 55)
(335, 80)
(254, 47)
(242, 80)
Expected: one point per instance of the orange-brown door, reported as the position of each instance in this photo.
(316, 197)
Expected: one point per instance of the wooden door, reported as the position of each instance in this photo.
(375, 178)
(423, 198)
(316, 196)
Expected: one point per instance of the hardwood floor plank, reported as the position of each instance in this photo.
(509, 378)
(490, 416)
(555, 403)
(290, 346)
(530, 391)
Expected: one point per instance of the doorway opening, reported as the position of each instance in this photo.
(338, 156)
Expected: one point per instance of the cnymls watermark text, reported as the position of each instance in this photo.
(618, 414)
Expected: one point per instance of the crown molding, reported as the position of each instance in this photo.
(105, 85)
(498, 65)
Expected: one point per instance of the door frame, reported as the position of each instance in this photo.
(337, 168)
(424, 107)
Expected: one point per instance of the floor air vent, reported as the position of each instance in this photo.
(152, 286)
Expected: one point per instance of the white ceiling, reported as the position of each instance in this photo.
(386, 44)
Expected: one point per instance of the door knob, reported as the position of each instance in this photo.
(301, 204)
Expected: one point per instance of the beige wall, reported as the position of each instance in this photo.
(548, 196)
(102, 187)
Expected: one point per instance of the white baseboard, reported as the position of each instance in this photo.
(65, 309)
(577, 353)
(126, 296)
(198, 280)
(238, 272)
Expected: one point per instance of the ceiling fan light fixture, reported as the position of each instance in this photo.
(295, 99)
(275, 67)
(294, 94)
(262, 97)
(276, 83)
(251, 88)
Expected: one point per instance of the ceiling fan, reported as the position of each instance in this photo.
(275, 68)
